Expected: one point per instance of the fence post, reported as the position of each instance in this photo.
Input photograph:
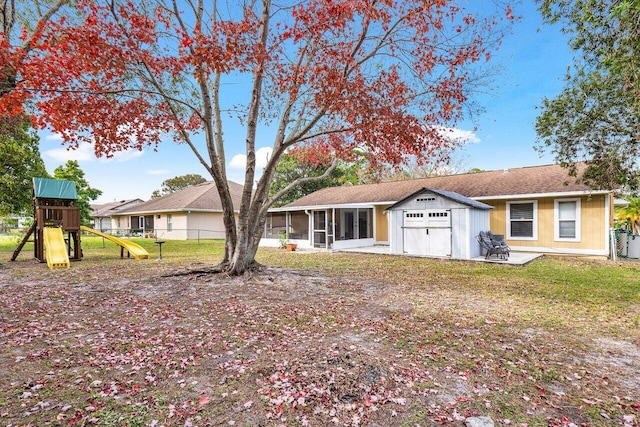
(613, 243)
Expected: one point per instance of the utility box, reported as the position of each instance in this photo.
(633, 246)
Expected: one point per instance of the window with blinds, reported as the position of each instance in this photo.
(522, 220)
(567, 219)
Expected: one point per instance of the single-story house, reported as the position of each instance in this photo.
(101, 214)
(189, 214)
(537, 209)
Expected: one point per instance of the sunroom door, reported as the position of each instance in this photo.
(319, 229)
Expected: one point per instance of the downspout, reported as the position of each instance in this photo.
(608, 224)
(309, 227)
(186, 222)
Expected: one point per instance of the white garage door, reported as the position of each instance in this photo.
(427, 232)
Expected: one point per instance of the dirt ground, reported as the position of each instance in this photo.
(133, 345)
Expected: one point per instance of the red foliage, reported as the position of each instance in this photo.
(378, 76)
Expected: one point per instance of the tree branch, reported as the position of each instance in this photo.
(297, 182)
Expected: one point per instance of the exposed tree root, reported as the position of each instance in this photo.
(222, 268)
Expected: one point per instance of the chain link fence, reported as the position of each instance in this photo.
(626, 245)
(175, 233)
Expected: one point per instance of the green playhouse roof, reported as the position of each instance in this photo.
(44, 188)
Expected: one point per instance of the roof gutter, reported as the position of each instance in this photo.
(160, 211)
(538, 195)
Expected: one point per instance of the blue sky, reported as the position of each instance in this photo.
(534, 59)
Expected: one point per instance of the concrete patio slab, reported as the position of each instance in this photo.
(515, 258)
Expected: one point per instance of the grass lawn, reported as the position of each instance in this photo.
(316, 339)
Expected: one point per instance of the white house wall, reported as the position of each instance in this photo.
(466, 224)
(395, 231)
(459, 229)
(479, 221)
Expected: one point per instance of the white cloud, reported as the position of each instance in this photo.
(459, 136)
(84, 152)
(239, 161)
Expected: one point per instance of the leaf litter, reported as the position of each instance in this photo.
(132, 345)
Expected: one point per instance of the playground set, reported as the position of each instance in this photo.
(55, 213)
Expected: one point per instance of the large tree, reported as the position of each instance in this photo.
(71, 172)
(378, 75)
(178, 183)
(596, 118)
(20, 161)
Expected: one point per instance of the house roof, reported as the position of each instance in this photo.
(526, 181)
(201, 197)
(451, 195)
(108, 209)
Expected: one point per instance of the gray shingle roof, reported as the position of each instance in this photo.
(451, 195)
(108, 209)
(532, 180)
(201, 197)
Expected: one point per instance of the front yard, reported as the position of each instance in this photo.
(317, 339)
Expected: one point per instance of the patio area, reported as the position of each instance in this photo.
(515, 258)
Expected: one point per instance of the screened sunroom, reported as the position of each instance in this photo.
(321, 228)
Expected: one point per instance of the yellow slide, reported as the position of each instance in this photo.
(137, 251)
(55, 249)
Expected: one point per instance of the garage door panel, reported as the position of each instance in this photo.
(427, 232)
(415, 242)
(439, 242)
(438, 218)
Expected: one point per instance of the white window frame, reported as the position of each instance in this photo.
(535, 220)
(556, 220)
(169, 222)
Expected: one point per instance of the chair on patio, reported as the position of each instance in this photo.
(493, 244)
(497, 239)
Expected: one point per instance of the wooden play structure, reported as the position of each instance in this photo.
(55, 213)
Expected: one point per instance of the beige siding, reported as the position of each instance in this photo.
(205, 221)
(592, 232)
(190, 226)
(120, 224)
(206, 225)
(178, 226)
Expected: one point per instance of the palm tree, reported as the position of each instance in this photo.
(631, 213)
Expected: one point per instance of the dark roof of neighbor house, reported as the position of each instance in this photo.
(532, 180)
(108, 209)
(451, 195)
(201, 197)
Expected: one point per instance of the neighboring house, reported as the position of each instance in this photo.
(538, 209)
(101, 214)
(192, 213)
